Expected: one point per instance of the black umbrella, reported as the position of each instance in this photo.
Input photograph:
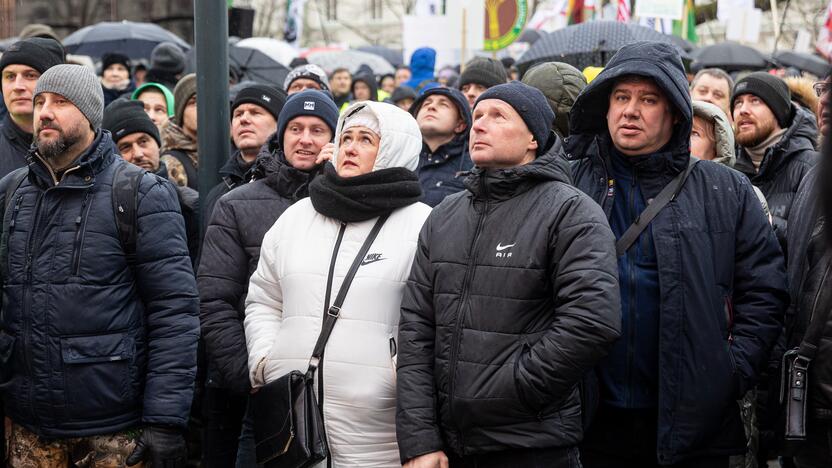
(529, 36)
(803, 62)
(729, 56)
(135, 40)
(394, 56)
(589, 44)
(248, 65)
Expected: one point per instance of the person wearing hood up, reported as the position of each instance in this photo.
(444, 119)
(303, 261)
(561, 83)
(512, 299)
(116, 80)
(254, 115)
(776, 142)
(231, 251)
(364, 88)
(158, 102)
(422, 65)
(668, 389)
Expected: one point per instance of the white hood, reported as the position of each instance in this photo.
(401, 140)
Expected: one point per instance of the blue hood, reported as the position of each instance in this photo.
(422, 64)
(655, 60)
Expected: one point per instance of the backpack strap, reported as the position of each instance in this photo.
(126, 181)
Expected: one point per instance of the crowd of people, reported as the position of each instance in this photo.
(567, 269)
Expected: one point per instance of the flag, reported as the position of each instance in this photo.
(824, 43)
(294, 22)
(686, 28)
(575, 11)
(623, 11)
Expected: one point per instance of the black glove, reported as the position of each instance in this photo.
(163, 447)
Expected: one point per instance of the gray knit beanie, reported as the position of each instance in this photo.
(79, 85)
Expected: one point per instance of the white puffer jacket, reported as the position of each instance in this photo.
(286, 303)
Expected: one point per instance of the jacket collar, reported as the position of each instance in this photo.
(796, 139)
(82, 172)
(12, 132)
(284, 179)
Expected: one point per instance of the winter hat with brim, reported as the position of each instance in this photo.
(115, 58)
(77, 84)
(309, 72)
(156, 87)
(311, 102)
(400, 139)
(561, 83)
(532, 106)
(268, 97)
(483, 71)
(39, 53)
(185, 90)
(124, 117)
(454, 95)
(771, 89)
(723, 133)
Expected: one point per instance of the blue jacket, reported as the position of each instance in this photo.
(722, 280)
(422, 75)
(442, 172)
(90, 345)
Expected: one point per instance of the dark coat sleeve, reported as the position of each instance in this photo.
(167, 285)
(587, 317)
(417, 428)
(223, 281)
(760, 296)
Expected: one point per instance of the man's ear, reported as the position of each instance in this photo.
(533, 145)
(460, 126)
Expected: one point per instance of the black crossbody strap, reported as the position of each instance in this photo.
(668, 193)
(334, 310)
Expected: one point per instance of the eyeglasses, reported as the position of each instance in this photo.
(821, 87)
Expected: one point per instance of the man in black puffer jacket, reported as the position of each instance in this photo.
(231, 250)
(703, 287)
(512, 298)
(97, 345)
(775, 142)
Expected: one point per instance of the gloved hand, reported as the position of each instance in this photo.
(163, 447)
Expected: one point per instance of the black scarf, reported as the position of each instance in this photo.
(366, 196)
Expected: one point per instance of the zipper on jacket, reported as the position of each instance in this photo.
(466, 283)
(326, 309)
(631, 336)
(80, 231)
(27, 301)
(17, 204)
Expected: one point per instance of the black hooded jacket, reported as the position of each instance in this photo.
(14, 145)
(513, 296)
(721, 273)
(784, 166)
(368, 79)
(230, 252)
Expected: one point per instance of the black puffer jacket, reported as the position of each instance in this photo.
(234, 173)
(14, 145)
(95, 346)
(231, 250)
(783, 168)
(513, 296)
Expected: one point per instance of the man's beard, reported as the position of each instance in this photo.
(762, 130)
(51, 149)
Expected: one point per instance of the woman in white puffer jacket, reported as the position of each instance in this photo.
(303, 261)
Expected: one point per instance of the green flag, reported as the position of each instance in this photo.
(686, 28)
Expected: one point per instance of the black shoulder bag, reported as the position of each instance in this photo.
(288, 423)
(796, 364)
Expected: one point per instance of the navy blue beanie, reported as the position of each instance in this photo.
(454, 95)
(308, 102)
(532, 106)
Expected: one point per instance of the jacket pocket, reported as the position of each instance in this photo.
(525, 349)
(96, 372)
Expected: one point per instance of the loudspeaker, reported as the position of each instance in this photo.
(240, 22)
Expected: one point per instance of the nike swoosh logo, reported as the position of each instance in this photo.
(367, 262)
(503, 247)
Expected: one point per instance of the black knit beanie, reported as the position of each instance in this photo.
(532, 106)
(112, 58)
(39, 53)
(483, 71)
(124, 117)
(268, 97)
(772, 90)
(308, 102)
